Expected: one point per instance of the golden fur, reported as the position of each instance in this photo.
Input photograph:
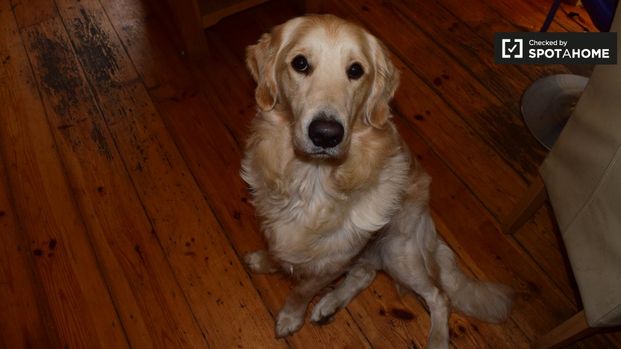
(358, 207)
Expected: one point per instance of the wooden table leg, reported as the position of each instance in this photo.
(187, 22)
(526, 207)
(567, 332)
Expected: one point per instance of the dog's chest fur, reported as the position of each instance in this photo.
(311, 225)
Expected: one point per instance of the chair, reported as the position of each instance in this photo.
(582, 177)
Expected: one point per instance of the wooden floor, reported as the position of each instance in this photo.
(123, 217)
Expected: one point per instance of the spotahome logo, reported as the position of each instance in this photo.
(555, 48)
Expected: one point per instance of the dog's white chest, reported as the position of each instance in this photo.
(311, 225)
(307, 224)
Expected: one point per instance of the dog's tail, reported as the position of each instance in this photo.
(484, 300)
(487, 301)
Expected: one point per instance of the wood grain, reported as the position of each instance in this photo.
(29, 12)
(65, 263)
(25, 320)
(134, 264)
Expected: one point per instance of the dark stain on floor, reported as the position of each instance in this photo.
(58, 75)
(95, 48)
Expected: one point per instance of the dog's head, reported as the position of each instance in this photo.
(331, 76)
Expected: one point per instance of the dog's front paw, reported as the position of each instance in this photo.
(260, 262)
(325, 308)
(288, 323)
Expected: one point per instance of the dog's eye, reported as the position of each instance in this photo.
(300, 64)
(355, 71)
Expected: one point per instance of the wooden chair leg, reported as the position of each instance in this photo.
(566, 333)
(525, 209)
(186, 21)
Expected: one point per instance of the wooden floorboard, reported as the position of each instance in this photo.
(126, 218)
(29, 325)
(28, 321)
(81, 308)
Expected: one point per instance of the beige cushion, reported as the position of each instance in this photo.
(582, 175)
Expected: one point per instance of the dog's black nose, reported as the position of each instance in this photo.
(325, 133)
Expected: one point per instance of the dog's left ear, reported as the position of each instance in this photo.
(385, 82)
(261, 60)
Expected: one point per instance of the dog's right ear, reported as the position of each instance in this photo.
(261, 60)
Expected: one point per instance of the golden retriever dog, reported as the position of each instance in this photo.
(334, 185)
